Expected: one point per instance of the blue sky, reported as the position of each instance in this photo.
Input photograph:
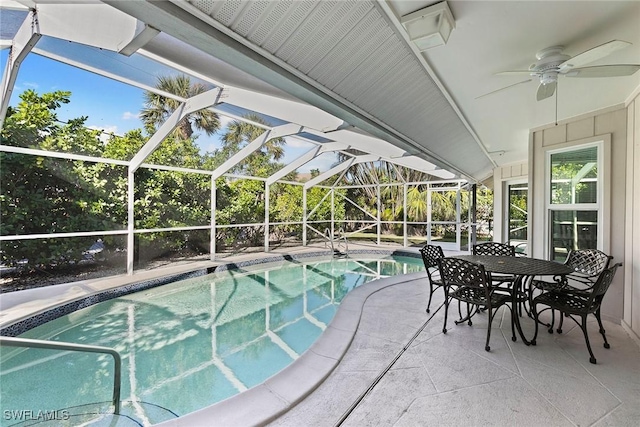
(111, 105)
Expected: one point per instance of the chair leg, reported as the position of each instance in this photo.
(602, 331)
(586, 338)
(553, 321)
(535, 318)
(559, 330)
(491, 314)
(513, 328)
(430, 296)
(446, 309)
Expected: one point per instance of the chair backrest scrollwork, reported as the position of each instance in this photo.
(431, 255)
(494, 248)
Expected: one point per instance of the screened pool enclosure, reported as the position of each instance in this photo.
(281, 172)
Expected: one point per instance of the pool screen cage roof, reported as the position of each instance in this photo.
(103, 40)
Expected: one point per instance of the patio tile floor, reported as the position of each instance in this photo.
(451, 380)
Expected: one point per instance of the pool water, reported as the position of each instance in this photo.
(188, 344)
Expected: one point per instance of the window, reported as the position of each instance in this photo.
(574, 202)
(517, 216)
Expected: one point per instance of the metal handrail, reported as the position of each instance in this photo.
(330, 237)
(51, 345)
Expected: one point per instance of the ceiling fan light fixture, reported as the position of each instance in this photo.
(429, 27)
(549, 77)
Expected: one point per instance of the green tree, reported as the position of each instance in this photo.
(46, 195)
(158, 108)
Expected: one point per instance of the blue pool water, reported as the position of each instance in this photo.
(188, 344)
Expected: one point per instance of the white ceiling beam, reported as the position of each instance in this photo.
(290, 111)
(305, 158)
(362, 142)
(180, 67)
(95, 24)
(24, 40)
(276, 132)
(193, 104)
(339, 168)
(18, 4)
(328, 174)
(106, 74)
(144, 34)
(294, 165)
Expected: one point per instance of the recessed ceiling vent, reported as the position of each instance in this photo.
(429, 27)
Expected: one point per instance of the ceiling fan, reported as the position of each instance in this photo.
(551, 63)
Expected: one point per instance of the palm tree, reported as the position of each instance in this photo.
(158, 108)
(240, 133)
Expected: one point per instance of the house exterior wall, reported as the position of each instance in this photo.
(631, 268)
(610, 126)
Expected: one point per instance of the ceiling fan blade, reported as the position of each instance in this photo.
(604, 71)
(593, 54)
(545, 91)
(513, 73)
(501, 89)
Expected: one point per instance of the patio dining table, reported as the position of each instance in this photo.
(523, 269)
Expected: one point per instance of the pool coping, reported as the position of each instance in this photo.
(264, 402)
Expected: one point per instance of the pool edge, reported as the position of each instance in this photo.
(278, 394)
(267, 401)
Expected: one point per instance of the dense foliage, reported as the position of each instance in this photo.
(42, 195)
(51, 195)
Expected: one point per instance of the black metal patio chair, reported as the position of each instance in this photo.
(431, 254)
(578, 303)
(496, 249)
(587, 265)
(468, 282)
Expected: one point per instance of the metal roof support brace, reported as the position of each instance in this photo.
(304, 159)
(130, 220)
(276, 132)
(404, 220)
(25, 39)
(266, 216)
(196, 103)
(212, 236)
(379, 217)
(339, 168)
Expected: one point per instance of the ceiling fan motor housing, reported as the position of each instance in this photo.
(548, 65)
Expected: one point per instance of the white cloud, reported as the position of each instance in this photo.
(107, 131)
(24, 86)
(128, 115)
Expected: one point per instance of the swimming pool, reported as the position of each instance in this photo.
(188, 344)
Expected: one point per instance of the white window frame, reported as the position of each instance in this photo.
(506, 206)
(603, 203)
